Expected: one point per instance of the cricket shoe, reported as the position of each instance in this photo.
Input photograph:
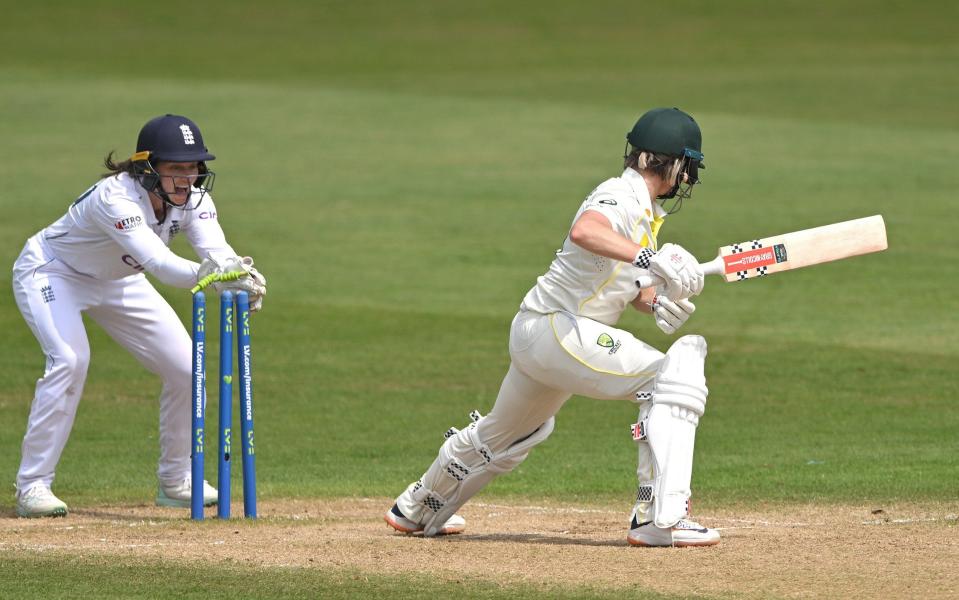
(395, 519)
(39, 501)
(178, 494)
(683, 533)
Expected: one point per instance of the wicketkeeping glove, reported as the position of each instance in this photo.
(670, 315)
(252, 281)
(259, 284)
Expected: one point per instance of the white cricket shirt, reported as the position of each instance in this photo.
(111, 232)
(586, 284)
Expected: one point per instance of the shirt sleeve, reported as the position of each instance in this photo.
(604, 202)
(204, 233)
(123, 221)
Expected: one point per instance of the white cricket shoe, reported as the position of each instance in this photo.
(683, 533)
(178, 495)
(39, 501)
(395, 519)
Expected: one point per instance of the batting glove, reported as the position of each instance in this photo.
(670, 315)
(679, 270)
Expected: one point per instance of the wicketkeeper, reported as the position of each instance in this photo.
(93, 261)
(564, 341)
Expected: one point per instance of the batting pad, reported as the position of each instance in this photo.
(668, 426)
(464, 466)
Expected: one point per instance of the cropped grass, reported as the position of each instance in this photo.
(402, 174)
(56, 577)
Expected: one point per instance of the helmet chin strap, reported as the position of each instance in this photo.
(167, 201)
(671, 194)
(675, 206)
(680, 191)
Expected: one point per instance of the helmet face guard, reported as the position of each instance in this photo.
(146, 174)
(683, 186)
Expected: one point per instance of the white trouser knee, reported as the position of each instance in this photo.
(666, 433)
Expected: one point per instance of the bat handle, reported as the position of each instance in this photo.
(645, 281)
(713, 267)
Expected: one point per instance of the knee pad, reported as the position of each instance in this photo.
(681, 378)
(464, 466)
(666, 433)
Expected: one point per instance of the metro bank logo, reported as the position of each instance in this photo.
(129, 223)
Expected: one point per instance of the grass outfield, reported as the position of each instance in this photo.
(54, 578)
(402, 176)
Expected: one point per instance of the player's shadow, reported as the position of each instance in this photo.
(531, 538)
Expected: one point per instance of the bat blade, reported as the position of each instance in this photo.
(757, 258)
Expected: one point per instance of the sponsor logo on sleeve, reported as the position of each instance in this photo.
(208, 214)
(129, 223)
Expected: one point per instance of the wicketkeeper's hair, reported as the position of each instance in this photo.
(115, 168)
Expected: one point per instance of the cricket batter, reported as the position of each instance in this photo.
(564, 341)
(93, 261)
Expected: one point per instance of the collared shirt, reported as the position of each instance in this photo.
(586, 284)
(111, 232)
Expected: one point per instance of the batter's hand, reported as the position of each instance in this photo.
(670, 315)
(679, 270)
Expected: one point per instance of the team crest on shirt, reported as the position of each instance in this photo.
(606, 341)
(174, 228)
(129, 223)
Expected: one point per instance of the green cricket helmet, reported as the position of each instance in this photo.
(674, 133)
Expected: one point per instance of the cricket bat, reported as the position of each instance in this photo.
(758, 258)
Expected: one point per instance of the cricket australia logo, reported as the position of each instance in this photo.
(47, 293)
(606, 341)
(187, 134)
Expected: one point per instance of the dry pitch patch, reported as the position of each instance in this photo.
(903, 550)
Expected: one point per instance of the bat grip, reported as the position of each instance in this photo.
(646, 281)
(713, 267)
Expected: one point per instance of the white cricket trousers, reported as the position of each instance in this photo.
(555, 356)
(51, 296)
